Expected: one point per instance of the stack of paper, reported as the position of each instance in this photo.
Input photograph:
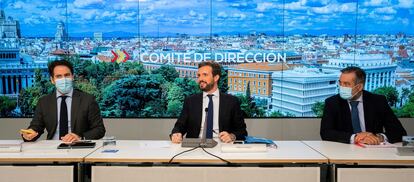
(242, 148)
(381, 145)
(10, 146)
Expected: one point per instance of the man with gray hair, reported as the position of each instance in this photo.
(358, 116)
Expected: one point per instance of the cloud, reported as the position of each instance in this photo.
(238, 5)
(83, 15)
(300, 5)
(170, 5)
(404, 21)
(37, 20)
(222, 14)
(239, 16)
(387, 17)
(243, 5)
(107, 14)
(260, 15)
(335, 8)
(150, 22)
(17, 5)
(293, 23)
(385, 10)
(126, 16)
(262, 7)
(126, 6)
(376, 3)
(406, 4)
(192, 13)
(363, 11)
(84, 3)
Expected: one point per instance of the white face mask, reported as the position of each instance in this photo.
(64, 85)
(346, 92)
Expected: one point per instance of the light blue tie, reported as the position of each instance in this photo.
(355, 117)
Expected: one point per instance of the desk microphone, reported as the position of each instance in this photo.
(203, 142)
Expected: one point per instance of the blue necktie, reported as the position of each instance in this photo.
(210, 114)
(355, 117)
(63, 121)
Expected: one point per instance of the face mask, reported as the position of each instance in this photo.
(345, 92)
(64, 85)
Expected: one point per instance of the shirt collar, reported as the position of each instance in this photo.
(58, 94)
(215, 93)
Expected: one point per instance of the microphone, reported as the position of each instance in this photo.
(204, 142)
(204, 136)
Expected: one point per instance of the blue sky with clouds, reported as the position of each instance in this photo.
(40, 17)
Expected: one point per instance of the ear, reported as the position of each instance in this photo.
(362, 86)
(52, 80)
(216, 78)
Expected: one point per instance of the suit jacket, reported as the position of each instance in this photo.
(86, 120)
(230, 117)
(336, 124)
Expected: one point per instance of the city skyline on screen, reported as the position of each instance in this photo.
(139, 58)
(167, 18)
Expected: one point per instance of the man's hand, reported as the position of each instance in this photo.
(226, 137)
(70, 137)
(176, 138)
(367, 138)
(28, 134)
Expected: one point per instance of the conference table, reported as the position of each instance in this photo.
(42, 161)
(353, 163)
(148, 160)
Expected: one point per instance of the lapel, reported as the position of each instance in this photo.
(74, 109)
(347, 113)
(222, 101)
(53, 114)
(198, 108)
(367, 112)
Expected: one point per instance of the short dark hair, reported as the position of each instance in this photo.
(53, 64)
(360, 73)
(215, 66)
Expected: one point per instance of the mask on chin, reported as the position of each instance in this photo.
(64, 85)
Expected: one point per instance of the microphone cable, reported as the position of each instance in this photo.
(224, 160)
(189, 150)
(185, 151)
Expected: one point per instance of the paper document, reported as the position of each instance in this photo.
(381, 145)
(10, 146)
(155, 144)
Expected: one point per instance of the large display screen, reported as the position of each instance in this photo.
(139, 58)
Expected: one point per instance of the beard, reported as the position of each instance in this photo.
(207, 87)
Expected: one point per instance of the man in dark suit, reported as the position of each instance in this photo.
(227, 118)
(67, 114)
(357, 116)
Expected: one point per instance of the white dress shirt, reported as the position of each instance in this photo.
(69, 106)
(361, 117)
(216, 103)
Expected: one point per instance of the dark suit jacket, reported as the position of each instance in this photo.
(336, 124)
(230, 117)
(86, 120)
